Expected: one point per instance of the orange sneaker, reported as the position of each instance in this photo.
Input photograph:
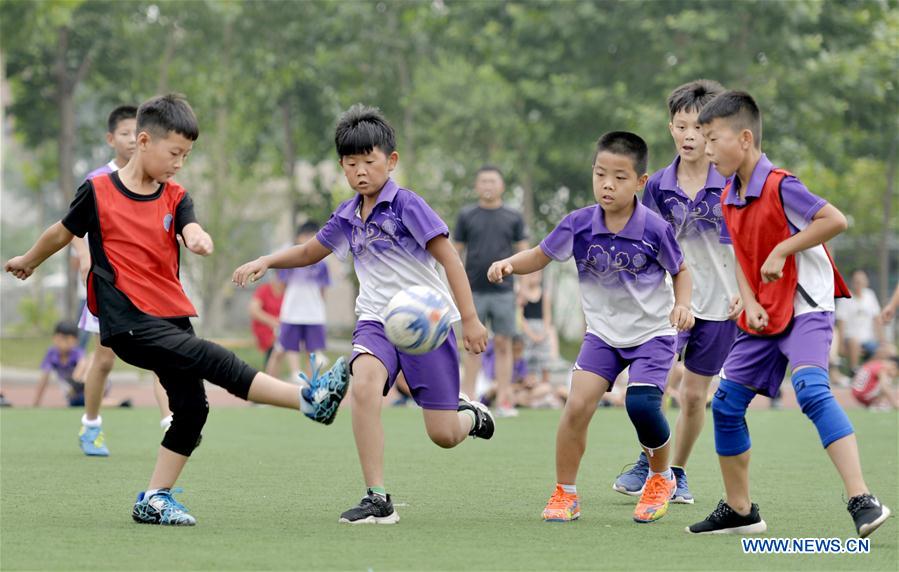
(654, 501)
(562, 507)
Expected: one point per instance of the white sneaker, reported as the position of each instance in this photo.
(506, 412)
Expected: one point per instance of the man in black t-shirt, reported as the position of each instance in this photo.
(485, 232)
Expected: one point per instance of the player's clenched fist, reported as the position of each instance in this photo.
(681, 318)
(250, 272)
(499, 270)
(19, 267)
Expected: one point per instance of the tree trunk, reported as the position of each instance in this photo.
(290, 160)
(65, 93)
(883, 283)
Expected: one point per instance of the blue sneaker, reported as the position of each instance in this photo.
(161, 508)
(631, 482)
(682, 491)
(92, 441)
(322, 395)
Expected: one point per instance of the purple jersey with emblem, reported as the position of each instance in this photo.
(104, 170)
(624, 292)
(389, 248)
(64, 368)
(698, 225)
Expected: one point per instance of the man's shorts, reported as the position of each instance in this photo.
(433, 378)
(649, 362)
(496, 309)
(760, 362)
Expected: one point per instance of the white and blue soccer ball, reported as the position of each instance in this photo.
(418, 320)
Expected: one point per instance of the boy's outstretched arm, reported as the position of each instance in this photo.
(826, 224)
(474, 334)
(50, 242)
(525, 262)
(196, 239)
(305, 254)
(41, 387)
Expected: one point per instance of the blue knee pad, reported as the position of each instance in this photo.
(729, 413)
(644, 407)
(817, 402)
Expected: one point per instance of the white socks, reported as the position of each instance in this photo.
(91, 422)
(668, 475)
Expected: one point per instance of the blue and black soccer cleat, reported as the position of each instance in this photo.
(161, 508)
(631, 482)
(93, 442)
(322, 395)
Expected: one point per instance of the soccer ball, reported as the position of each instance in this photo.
(417, 320)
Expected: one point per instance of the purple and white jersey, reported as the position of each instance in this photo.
(303, 301)
(389, 249)
(801, 206)
(625, 292)
(110, 167)
(697, 225)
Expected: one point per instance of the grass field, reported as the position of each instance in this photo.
(267, 487)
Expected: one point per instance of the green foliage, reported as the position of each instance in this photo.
(38, 315)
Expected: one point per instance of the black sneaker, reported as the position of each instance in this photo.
(725, 520)
(484, 425)
(868, 513)
(372, 509)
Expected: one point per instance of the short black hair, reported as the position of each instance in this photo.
(66, 328)
(625, 143)
(490, 169)
(362, 128)
(739, 109)
(166, 113)
(120, 113)
(693, 96)
(308, 227)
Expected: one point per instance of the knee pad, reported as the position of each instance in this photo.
(818, 404)
(644, 407)
(185, 433)
(729, 414)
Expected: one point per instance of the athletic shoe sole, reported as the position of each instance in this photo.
(391, 519)
(624, 491)
(682, 500)
(572, 519)
(757, 528)
(866, 529)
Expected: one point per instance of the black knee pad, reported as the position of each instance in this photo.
(644, 407)
(188, 419)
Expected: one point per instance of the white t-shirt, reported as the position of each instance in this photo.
(857, 315)
(303, 301)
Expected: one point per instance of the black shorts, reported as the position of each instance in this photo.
(172, 350)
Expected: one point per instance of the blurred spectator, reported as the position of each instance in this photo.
(535, 307)
(66, 360)
(874, 384)
(889, 311)
(265, 309)
(858, 321)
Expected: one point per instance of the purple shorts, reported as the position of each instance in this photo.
(433, 378)
(312, 337)
(760, 362)
(649, 362)
(706, 345)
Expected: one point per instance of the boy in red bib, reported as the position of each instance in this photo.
(134, 218)
(787, 282)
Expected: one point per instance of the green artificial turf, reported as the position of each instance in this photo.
(267, 487)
